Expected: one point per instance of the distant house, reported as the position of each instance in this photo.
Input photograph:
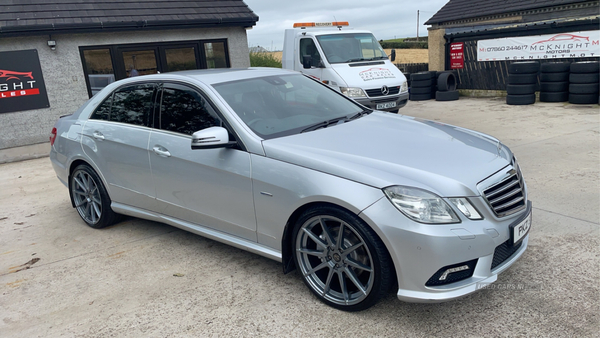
(506, 31)
(55, 55)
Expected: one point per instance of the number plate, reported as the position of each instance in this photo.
(386, 105)
(520, 230)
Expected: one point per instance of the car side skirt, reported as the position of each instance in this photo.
(218, 236)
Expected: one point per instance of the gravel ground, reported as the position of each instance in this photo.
(145, 279)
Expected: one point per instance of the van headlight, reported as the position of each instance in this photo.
(420, 205)
(404, 87)
(352, 92)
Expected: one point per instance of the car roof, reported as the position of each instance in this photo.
(214, 76)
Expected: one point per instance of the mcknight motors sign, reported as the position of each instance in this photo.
(21, 82)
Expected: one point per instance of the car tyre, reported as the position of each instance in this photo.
(554, 86)
(524, 67)
(554, 77)
(584, 78)
(585, 67)
(90, 198)
(520, 89)
(446, 82)
(583, 98)
(421, 97)
(350, 272)
(520, 99)
(555, 67)
(421, 83)
(522, 78)
(579, 88)
(554, 96)
(446, 96)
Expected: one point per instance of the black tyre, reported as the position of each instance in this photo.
(420, 76)
(584, 78)
(524, 67)
(90, 198)
(446, 96)
(420, 90)
(520, 89)
(522, 78)
(585, 67)
(446, 82)
(555, 67)
(554, 77)
(554, 86)
(583, 98)
(520, 99)
(421, 83)
(579, 88)
(342, 261)
(554, 96)
(420, 97)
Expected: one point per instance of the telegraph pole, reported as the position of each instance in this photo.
(417, 25)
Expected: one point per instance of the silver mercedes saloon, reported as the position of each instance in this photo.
(283, 166)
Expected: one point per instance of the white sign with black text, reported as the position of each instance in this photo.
(550, 46)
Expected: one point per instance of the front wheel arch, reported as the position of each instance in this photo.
(287, 244)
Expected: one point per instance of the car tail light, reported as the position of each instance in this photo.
(52, 136)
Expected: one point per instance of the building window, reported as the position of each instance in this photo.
(100, 71)
(105, 64)
(215, 55)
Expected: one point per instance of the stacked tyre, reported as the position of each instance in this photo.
(522, 81)
(554, 82)
(420, 86)
(446, 87)
(583, 82)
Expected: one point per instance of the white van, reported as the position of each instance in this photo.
(351, 61)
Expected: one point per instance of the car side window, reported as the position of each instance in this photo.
(184, 110)
(133, 104)
(103, 110)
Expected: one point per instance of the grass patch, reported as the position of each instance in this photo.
(264, 60)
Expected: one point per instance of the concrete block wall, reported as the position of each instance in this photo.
(64, 78)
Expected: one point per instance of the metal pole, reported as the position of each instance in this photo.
(417, 25)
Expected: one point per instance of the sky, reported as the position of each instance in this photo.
(386, 19)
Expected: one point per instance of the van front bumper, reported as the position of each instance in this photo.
(376, 103)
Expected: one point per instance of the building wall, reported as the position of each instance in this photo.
(64, 78)
(437, 49)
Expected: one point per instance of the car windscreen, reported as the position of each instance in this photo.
(275, 106)
(351, 47)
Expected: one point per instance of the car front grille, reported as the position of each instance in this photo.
(377, 91)
(508, 195)
(503, 252)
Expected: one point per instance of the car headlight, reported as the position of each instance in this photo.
(404, 87)
(352, 92)
(466, 208)
(420, 205)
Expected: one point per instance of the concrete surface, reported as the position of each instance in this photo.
(144, 279)
(24, 152)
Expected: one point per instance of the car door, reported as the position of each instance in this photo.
(209, 187)
(116, 137)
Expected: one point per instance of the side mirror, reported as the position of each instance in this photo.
(393, 56)
(306, 61)
(210, 138)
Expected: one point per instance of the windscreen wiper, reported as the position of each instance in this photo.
(324, 124)
(360, 114)
(357, 59)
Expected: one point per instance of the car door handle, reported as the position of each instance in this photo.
(98, 135)
(160, 151)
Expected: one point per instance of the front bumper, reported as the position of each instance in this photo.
(401, 100)
(419, 251)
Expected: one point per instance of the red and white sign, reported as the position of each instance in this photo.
(457, 56)
(550, 46)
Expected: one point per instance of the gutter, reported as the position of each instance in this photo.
(115, 26)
